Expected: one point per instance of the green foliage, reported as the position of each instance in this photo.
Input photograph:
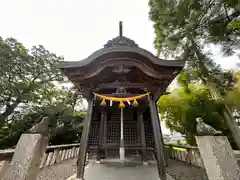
(234, 25)
(224, 79)
(182, 28)
(183, 105)
(29, 90)
(232, 97)
(176, 21)
(25, 76)
(181, 108)
(65, 122)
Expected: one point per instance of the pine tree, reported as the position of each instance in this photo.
(183, 27)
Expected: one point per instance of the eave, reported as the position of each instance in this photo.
(111, 51)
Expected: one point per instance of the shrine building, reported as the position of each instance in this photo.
(122, 83)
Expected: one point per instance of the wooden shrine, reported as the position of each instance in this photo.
(122, 83)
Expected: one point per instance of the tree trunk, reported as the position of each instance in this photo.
(9, 110)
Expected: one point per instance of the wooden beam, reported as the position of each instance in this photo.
(105, 132)
(164, 151)
(149, 70)
(84, 140)
(157, 139)
(122, 84)
(158, 92)
(101, 140)
(142, 136)
(121, 96)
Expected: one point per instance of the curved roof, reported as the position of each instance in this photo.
(121, 45)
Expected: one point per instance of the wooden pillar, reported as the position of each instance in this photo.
(84, 141)
(121, 149)
(160, 130)
(157, 139)
(101, 139)
(105, 134)
(138, 123)
(142, 136)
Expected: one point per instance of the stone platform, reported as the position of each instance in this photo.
(116, 171)
(67, 169)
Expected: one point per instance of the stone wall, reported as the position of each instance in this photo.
(188, 154)
(53, 155)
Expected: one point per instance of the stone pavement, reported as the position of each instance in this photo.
(178, 170)
(116, 171)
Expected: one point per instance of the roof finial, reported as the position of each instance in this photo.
(120, 28)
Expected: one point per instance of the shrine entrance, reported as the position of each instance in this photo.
(105, 132)
(122, 83)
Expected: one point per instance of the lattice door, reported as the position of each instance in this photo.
(113, 132)
(130, 132)
(113, 128)
(94, 134)
(149, 134)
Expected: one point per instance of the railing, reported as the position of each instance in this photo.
(57, 154)
(53, 155)
(188, 154)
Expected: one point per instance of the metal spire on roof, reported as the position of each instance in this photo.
(120, 28)
(120, 40)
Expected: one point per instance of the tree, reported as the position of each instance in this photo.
(65, 122)
(232, 97)
(182, 29)
(224, 79)
(25, 76)
(213, 21)
(30, 89)
(182, 106)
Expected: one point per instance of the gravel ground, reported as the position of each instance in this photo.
(182, 171)
(58, 171)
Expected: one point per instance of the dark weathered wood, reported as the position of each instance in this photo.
(84, 140)
(102, 121)
(103, 117)
(160, 130)
(125, 94)
(135, 69)
(158, 93)
(149, 71)
(142, 137)
(157, 139)
(105, 133)
(123, 84)
(138, 128)
(98, 67)
(123, 50)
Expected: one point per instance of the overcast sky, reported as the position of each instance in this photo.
(77, 28)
